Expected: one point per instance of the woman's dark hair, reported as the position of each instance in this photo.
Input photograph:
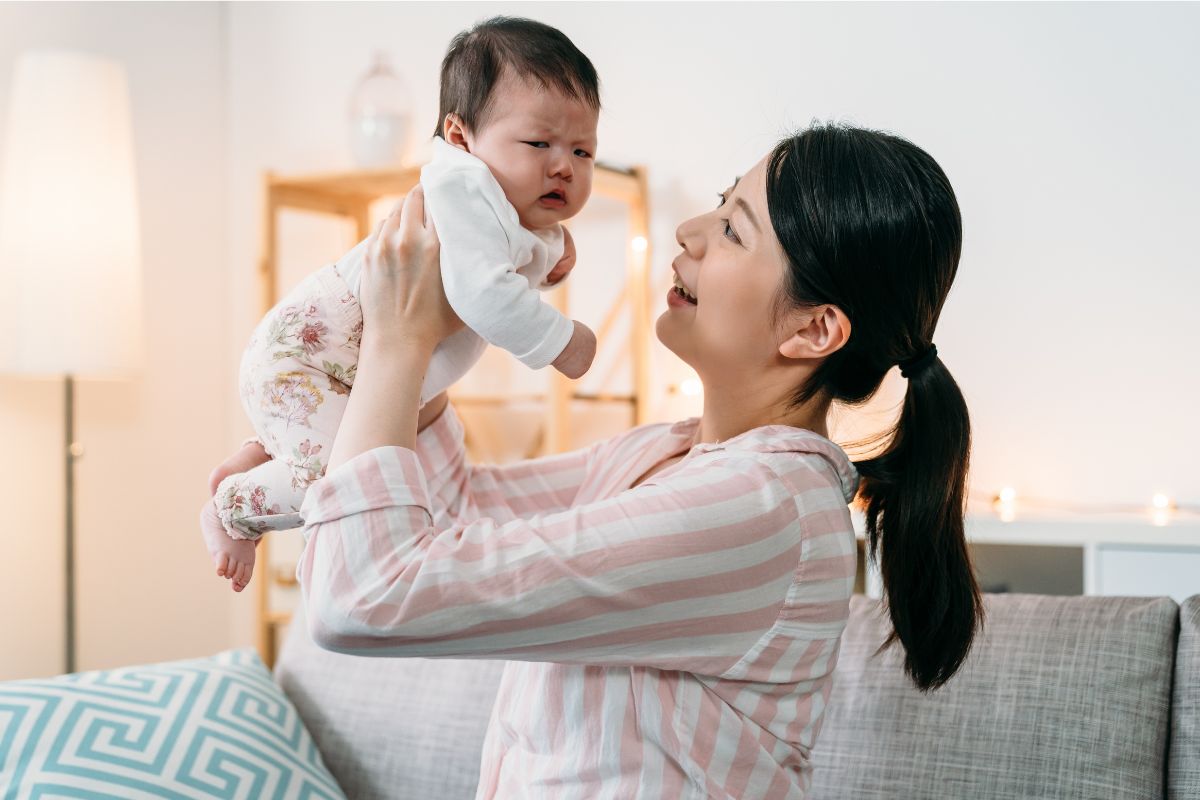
(534, 51)
(870, 224)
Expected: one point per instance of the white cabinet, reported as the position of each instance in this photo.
(1147, 571)
(1115, 556)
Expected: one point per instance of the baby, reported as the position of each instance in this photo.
(513, 158)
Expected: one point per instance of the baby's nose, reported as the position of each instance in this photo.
(561, 167)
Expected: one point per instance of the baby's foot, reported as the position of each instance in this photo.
(236, 561)
(234, 558)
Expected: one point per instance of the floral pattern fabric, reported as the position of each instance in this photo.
(294, 381)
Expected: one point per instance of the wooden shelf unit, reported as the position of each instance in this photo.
(350, 195)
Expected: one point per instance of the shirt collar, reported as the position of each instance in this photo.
(779, 439)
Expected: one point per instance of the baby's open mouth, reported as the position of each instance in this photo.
(557, 196)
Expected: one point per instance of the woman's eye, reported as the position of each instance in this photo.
(537, 144)
(729, 232)
(722, 196)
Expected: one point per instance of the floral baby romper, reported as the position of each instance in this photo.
(295, 379)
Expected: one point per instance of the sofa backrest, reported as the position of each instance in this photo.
(391, 728)
(1059, 697)
(1183, 761)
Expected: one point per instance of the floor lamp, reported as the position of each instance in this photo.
(70, 263)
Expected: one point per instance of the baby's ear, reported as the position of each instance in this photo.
(454, 132)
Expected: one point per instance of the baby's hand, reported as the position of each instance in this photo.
(577, 356)
(566, 263)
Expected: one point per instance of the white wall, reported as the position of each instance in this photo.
(145, 587)
(1067, 130)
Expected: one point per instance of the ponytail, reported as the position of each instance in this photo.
(915, 495)
(870, 224)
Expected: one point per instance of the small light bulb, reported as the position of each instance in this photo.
(1160, 509)
(691, 387)
(1006, 504)
(639, 244)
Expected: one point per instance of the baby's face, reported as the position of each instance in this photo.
(541, 146)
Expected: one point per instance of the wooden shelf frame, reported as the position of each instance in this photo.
(350, 195)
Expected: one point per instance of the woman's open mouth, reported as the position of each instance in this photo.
(681, 291)
(552, 200)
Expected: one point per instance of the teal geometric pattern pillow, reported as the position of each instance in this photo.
(216, 727)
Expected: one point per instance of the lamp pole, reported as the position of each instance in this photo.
(72, 451)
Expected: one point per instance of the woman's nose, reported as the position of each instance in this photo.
(689, 238)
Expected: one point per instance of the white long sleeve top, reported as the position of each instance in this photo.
(493, 270)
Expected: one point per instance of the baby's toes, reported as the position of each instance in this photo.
(222, 563)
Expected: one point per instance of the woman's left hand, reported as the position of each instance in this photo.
(401, 292)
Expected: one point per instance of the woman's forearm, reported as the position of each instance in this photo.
(383, 406)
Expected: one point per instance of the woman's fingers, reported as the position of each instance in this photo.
(412, 215)
(375, 243)
(392, 221)
(391, 229)
(401, 288)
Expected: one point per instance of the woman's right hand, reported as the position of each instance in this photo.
(400, 290)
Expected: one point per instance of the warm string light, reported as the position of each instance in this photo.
(691, 387)
(1005, 504)
(1161, 510)
(639, 244)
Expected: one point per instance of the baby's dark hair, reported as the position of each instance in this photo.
(478, 57)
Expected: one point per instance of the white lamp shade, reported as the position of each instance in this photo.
(70, 263)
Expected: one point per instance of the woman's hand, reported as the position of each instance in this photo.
(401, 292)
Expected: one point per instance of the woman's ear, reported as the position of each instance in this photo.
(454, 132)
(820, 331)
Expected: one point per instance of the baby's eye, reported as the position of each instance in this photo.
(537, 144)
(583, 154)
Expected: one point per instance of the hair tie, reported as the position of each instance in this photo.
(915, 366)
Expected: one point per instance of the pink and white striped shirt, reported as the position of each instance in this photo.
(673, 640)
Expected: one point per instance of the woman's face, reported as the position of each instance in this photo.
(733, 265)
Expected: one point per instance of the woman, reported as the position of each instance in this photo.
(672, 599)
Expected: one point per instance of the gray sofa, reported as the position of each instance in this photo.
(1061, 697)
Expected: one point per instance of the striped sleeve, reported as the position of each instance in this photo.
(686, 571)
(458, 489)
